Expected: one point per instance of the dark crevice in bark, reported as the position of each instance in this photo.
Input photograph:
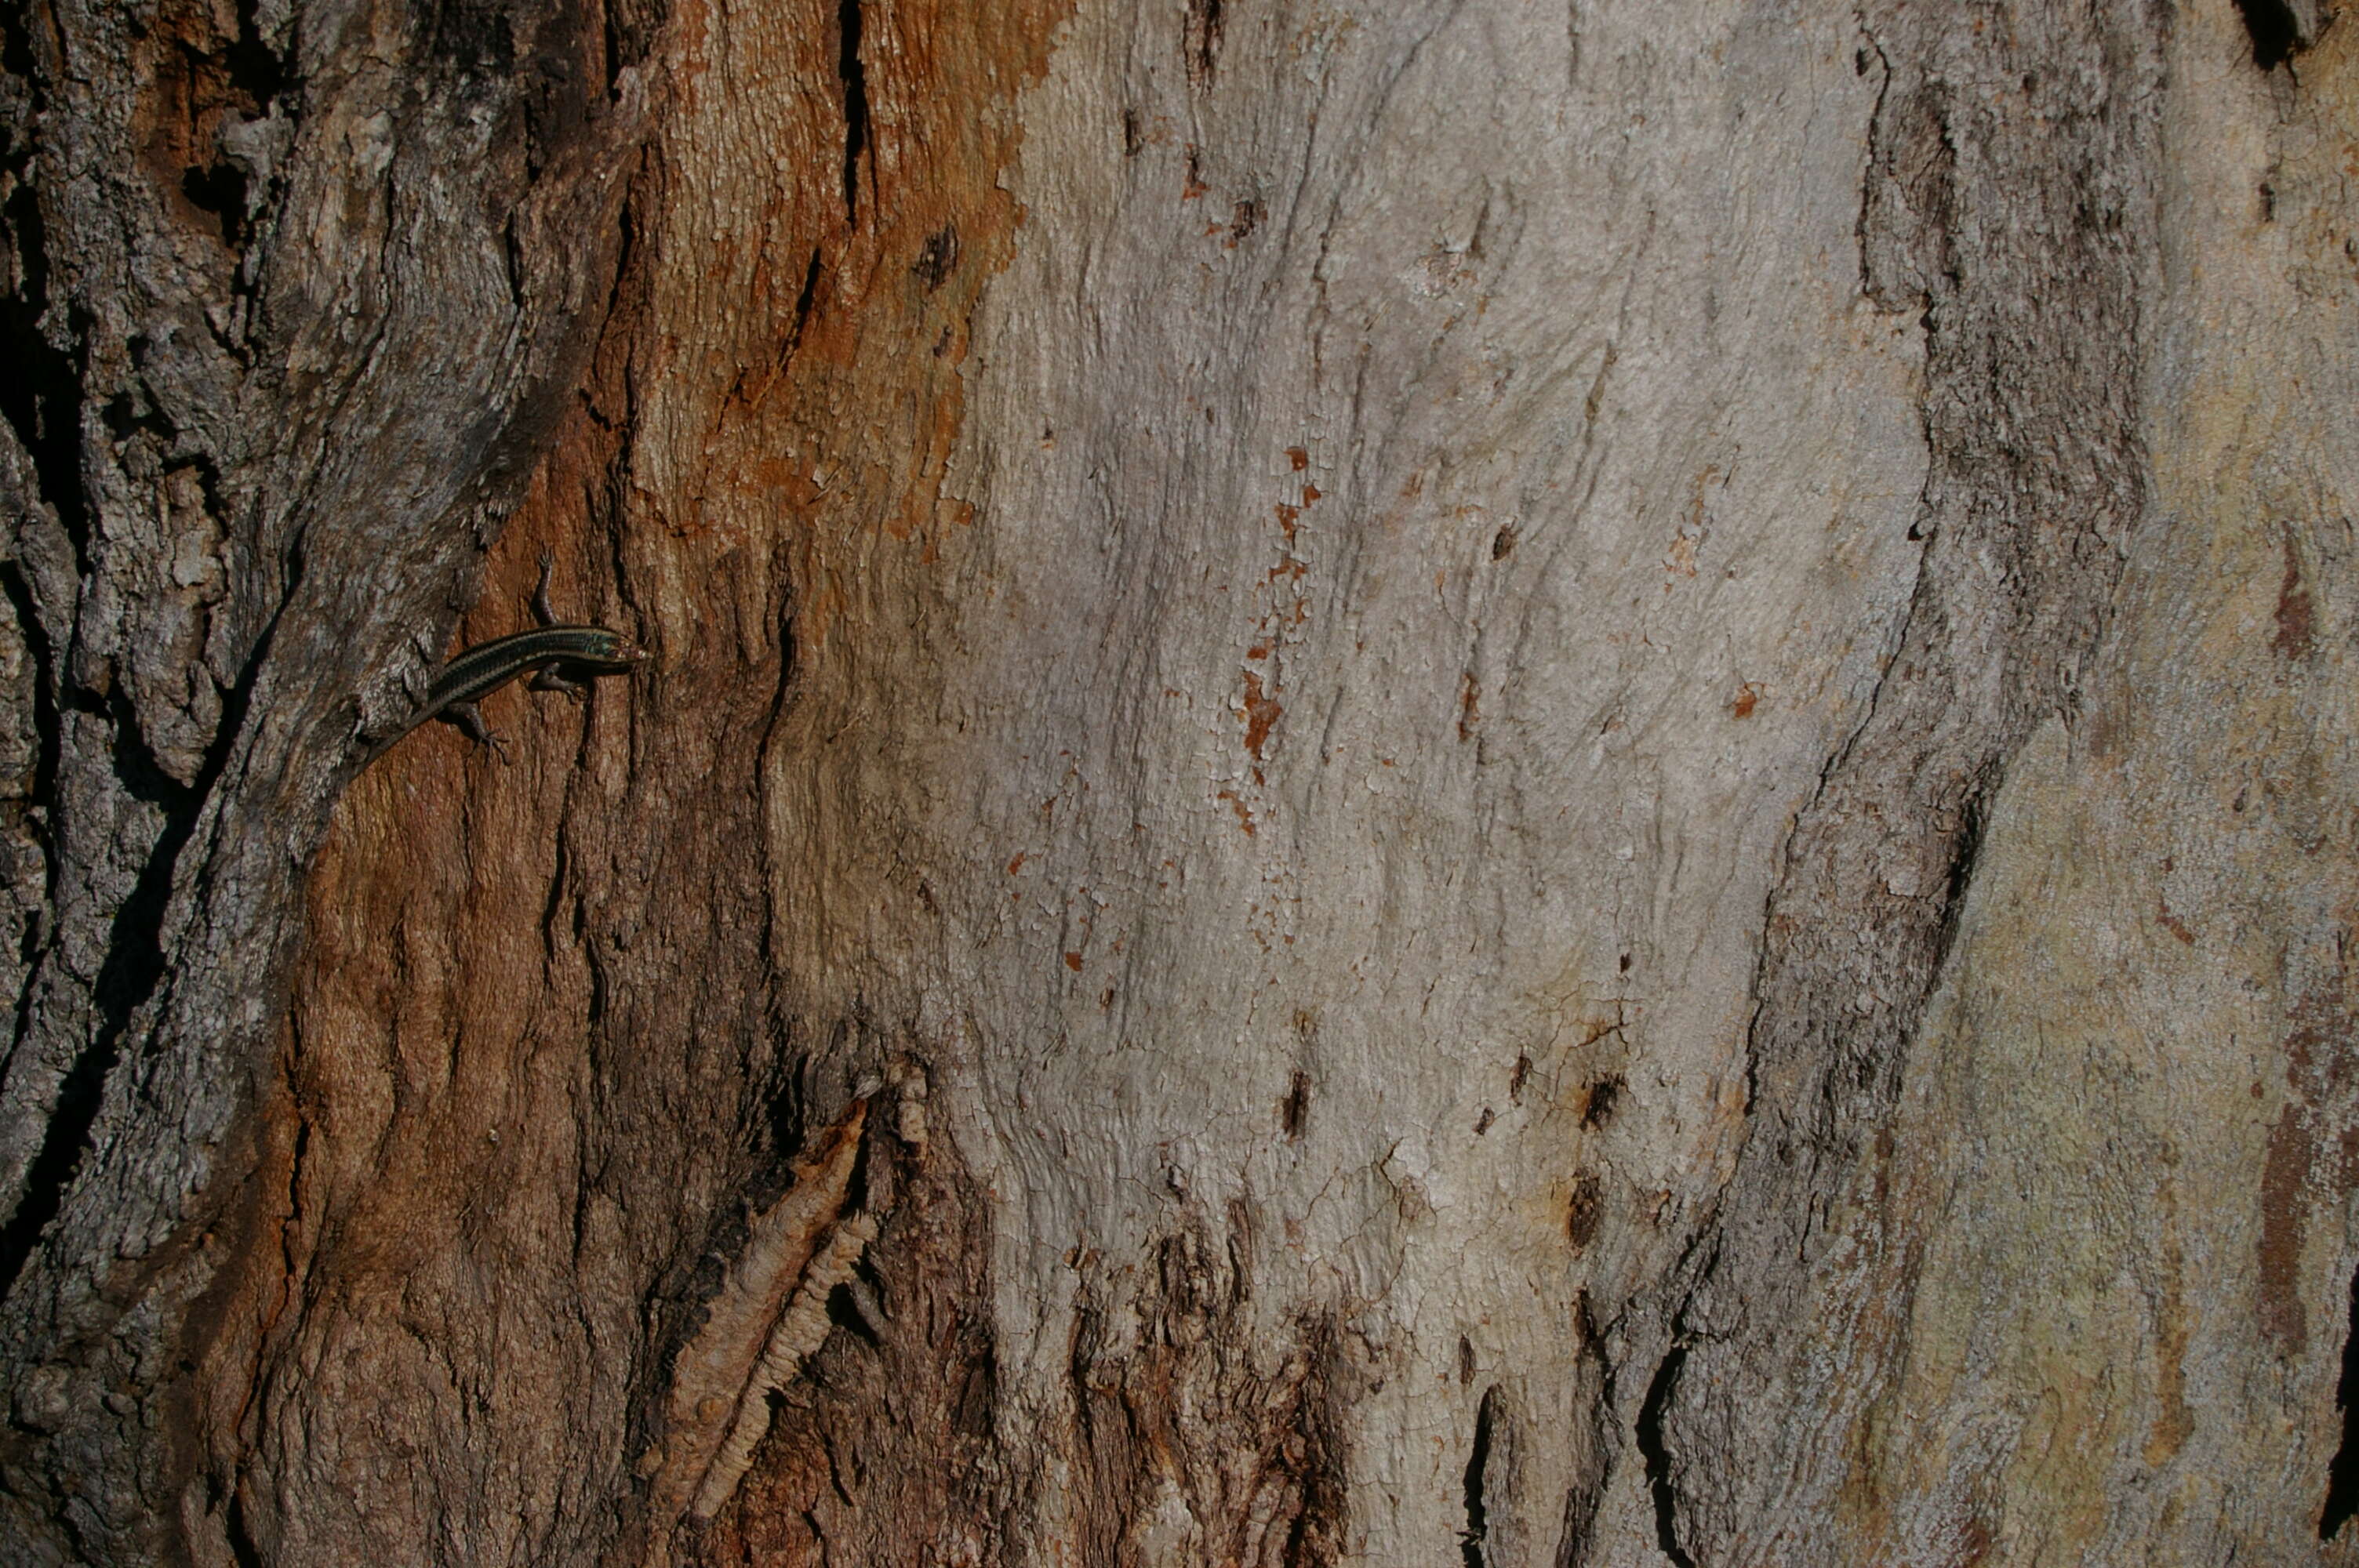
(250, 77)
(240, 1535)
(2343, 1474)
(512, 254)
(1966, 859)
(255, 68)
(42, 398)
(2276, 32)
(846, 1310)
(219, 189)
(803, 303)
(1202, 48)
(16, 47)
(473, 38)
(1472, 1540)
(856, 105)
(1649, 1434)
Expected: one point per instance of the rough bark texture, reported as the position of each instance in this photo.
(1438, 783)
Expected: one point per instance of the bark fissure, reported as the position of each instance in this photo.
(1647, 1430)
(854, 76)
(1201, 46)
(1472, 1540)
(42, 398)
(2342, 1472)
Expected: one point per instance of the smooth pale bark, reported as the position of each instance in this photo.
(1442, 783)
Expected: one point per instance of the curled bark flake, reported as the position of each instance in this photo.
(717, 1371)
(802, 1329)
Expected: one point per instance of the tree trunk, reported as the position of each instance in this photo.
(1440, 783)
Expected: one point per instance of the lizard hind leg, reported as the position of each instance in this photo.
(470, 719)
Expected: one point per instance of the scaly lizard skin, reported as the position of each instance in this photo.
(555, 656)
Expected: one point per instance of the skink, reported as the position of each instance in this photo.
(555, 656)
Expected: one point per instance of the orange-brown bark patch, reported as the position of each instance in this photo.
(2285, 1181)
(1262, 714)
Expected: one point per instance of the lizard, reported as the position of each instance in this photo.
(558, 656)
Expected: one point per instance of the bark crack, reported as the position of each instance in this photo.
(856, 108)
(1657, 1457)
(2343, 1473)
(1472, 1541)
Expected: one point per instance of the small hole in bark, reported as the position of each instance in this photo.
(1583, 1209)
(938, 258)
(1294, 1111)
(1604, 1098)
(844, 1310)
(1503, 544)
(2274, 33)
(2343, 1474)
(220, 190)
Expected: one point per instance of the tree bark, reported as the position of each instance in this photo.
(1456, 781)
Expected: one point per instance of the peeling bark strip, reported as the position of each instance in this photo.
(2035, 491)
(717, 1383)
(799, 1332)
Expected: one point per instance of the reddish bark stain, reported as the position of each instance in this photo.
(2319, 1062)
(1016, 864)
(1262, 714)
(2284, 1177)
(2171, 922)
(2292, 638)
(1285, 519)
(1311, 493)
(1300, 456)
(1747, 697)
(1073, 962)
